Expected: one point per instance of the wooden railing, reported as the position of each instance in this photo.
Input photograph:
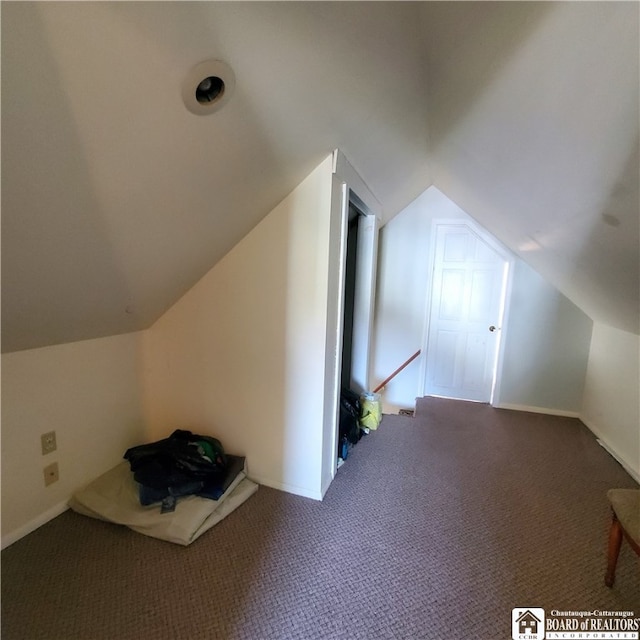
(397, 371)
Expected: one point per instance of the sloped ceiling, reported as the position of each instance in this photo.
(533, 111)
(116, 199)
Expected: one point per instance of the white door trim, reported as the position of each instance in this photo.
(365, 200)
(366, 268)
(347, 186)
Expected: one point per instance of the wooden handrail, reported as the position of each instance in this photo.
(398, 370)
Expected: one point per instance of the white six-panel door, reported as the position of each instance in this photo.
(465, 315)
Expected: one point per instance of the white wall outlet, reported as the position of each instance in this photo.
(48, 442)
(51, 474)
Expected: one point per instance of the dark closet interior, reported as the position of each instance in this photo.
(349, 296)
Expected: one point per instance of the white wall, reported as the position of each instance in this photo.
(402, 283)
(546, 337)
(89, 393)
(611, 406)
(546, 348)
(242, 355)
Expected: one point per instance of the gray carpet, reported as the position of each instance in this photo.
(435, 528)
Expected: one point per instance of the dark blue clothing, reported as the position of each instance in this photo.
(182, 464)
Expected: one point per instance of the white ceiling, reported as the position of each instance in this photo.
(116, 199)
(534, 119)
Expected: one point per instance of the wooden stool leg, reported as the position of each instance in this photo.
(615, 540)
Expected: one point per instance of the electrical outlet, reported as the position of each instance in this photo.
(51, 474)
(48, 442)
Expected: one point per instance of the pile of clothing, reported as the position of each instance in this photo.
(182, 464)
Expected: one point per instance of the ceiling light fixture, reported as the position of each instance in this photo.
(208, 87)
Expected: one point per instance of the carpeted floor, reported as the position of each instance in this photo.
(435, 528)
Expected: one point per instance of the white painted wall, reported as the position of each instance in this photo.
(89, 394)
(248, 355)
(546, 337)
(611, 405)
(242, 355)
(546, 341)
(402, 283)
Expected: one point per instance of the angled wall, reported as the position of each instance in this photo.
(546, 348)
(242, 355)
(611, 406)
(545, 338)
(533, 122)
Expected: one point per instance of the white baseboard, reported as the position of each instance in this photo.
(544, 410)
(34, 524)
(611, 450)
(287, 488)
(61, 507)
(325, 486)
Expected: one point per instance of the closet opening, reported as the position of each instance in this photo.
(349, 296)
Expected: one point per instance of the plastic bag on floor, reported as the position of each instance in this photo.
(371, 411)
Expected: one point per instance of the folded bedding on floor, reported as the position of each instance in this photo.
(115, 497)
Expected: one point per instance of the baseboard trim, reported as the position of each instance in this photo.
(549, 412)
(287, 488)
(34, 524)
(61, 507)
(611, 450)
(325, 487)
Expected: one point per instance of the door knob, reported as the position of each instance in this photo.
(492, 328)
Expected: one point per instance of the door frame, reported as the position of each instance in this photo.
(356, 192)
(348, 186)
(364, 298)
(503, 313)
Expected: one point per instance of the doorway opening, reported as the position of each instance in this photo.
(359, 264)
(354, 231)
(350, 275)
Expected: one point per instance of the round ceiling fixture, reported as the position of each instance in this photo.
(208, 87)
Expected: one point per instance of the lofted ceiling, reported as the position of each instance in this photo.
(533, 112)
(116, 199)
